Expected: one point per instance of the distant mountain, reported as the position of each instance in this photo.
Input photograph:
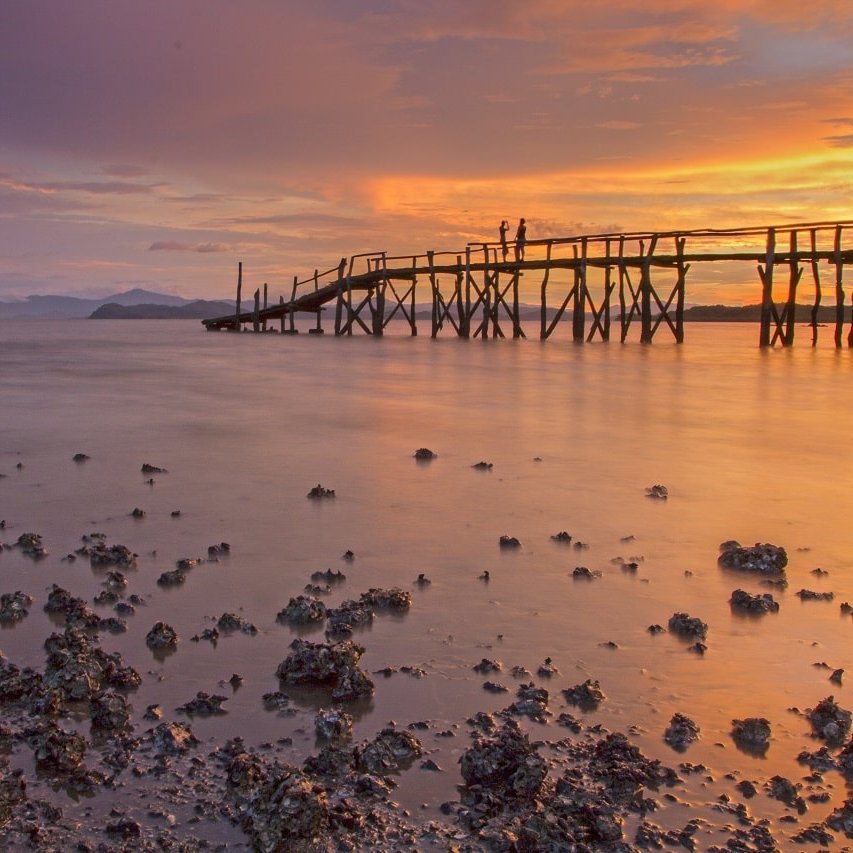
(751, 314)
(197, 310)
(55, 307)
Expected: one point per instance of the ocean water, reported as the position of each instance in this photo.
(752, 445)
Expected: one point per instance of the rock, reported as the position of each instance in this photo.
(506, 764)
(681, 732)
(219, 550)
(328, 665)
(688, 626)
(583, 573)
(124, 829)
(80, 457)
(14, 606)
(836, 676)
(56, 750)
(387, 599)
(204, 705)
(422, 580)
(230, 622)
(161, 636)
(332, 724)
(487, 665)
(302, 610)
(494, 687)
(31, 544)
(279, 806)
(658, 492)
(350, 614)
(764, 603)
(829, 721)
(841, 819)
(482, 466)
(153, 712)
(547, 669)
(389, 750)
(319, 492)
(811, 595)
(752, 734)
(136, 512)
(76, 612)
(845, 760)
(423, 454)
(174, 577)
(587, 696)
(509, 542)
(329, 576)
(152, 469)
(782, 789)
(173, 738)
(115, 555)
(532, 702)
(765, 559)
(562, 536)
(110, 712)
(656, 629)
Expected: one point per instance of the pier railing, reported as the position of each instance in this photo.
(633, 278)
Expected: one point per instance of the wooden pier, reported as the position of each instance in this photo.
(624, 280)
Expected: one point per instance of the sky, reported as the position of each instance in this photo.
(156, 143)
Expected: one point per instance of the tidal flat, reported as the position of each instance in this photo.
(253, 613)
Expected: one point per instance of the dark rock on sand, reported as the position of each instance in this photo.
(562, 536)
(14, 606)
(765, 559)
(302, 610)
(332, 724)
(152, 469)
(763, 603)
(585, 574)
(204, 705)
(482, 466)
(752, 734)
(327, 665)
(811, 595)
(110, 712)
(681, 732)
(319, 492)
(829, 721)
(509, 542)
(487, 665)
(351, 614)
(80, 457)
(657, 492)
(423, 454)
(228, 623)
(587, 696)
(31, 544)
(389, 750)
(161, 636)
(173, 738)
(688, 626)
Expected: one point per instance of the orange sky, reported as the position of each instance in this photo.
(156, 144)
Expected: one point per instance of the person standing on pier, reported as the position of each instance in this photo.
(520, 240)
(503, 229)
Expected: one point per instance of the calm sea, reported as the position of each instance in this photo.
(752, 445)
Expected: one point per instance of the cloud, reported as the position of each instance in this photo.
(176, 246)
(841, 141)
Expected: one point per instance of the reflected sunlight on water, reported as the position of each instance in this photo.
(752, 445)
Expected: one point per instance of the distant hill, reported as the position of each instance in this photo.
(56, 307)
(197, 310)
(751, 314)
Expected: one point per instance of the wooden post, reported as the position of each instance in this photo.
(434, 290)
(414, 285)
(256, 314)
(265, 306)
(623, 321)
(681, 285)
(516, 317)
(466, 324)
(579, 304)
(281, 319)
(237, 324)
(291, 312)
(608, 288)
(318, 328)
(816, 279)
(646, 294)
(766, 276)
(839, 289)
(793, 281)
(543, 314)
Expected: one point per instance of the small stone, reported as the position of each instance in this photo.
(423, 454)
(319, 492)
(658, 492)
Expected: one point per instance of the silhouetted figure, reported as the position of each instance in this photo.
(503, 229)
(520, 240)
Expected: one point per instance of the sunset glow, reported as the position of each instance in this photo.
(154, 145)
